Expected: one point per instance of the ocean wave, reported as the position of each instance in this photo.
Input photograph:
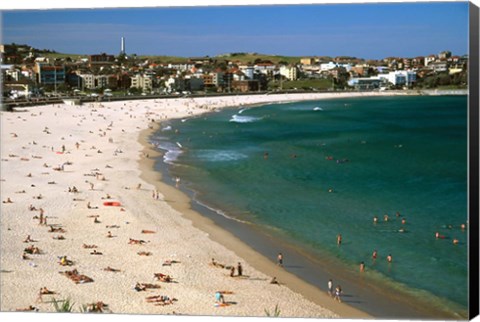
(244, 119)
(220, 155)
(172, 151)
(167, 128)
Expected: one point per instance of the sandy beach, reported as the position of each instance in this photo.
(78, 181)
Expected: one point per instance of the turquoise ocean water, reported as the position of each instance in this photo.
(308, 171)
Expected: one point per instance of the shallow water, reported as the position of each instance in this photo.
(308, 171)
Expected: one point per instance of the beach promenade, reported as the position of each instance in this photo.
(85, 217)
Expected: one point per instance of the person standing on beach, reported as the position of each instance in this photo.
(338, 292)
(239, 269)
(330, 287)
(280, 259)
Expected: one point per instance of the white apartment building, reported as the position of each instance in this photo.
(289, 72)
(331, 65)
(247, 70)
(91, 81)
(144, 82)
(429, 59)
(400, 77)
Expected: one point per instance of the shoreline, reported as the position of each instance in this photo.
(361, 290)
(218, 234)
(123, 171)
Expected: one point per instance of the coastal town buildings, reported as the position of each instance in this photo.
(27, 71)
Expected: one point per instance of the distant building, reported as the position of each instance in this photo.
(143, 82)
(363, 84)
(101, 60)
(245, 86)
(430, 59)
(331, 65)
(289, 72)
(247, 70)
(438, 67)
(307, 61)
(445, 55)
(400, 77)
(91, 81)
(50, 74)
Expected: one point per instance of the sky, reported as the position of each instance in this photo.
(369, 30)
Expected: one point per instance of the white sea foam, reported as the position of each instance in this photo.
(220, 155)
(167, 128)
(318, 109)
(244, 119)
(172, 151)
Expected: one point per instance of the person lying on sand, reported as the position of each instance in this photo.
(163, 278)
(143, 286)
(98, 307)
(77, 277)
(274, 281)
(110, 269)
(136, 241)
(59, 237)
(160, 299)
(169, 262)
(29, 308)
(21, 191)
(96, 253)
(216, 264)
(89, 246)
(32, 250)
(32, 208)
(45, 291)
(144, 253)
(56, 230)
(25, 256)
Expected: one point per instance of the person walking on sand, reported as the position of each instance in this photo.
(330, 287)
(239, 269)
(280, 259)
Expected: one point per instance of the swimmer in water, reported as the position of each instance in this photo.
(389, 258)
(375, 219)
(374, 255)
(404, 221)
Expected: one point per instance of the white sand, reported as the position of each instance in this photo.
(39, 133)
